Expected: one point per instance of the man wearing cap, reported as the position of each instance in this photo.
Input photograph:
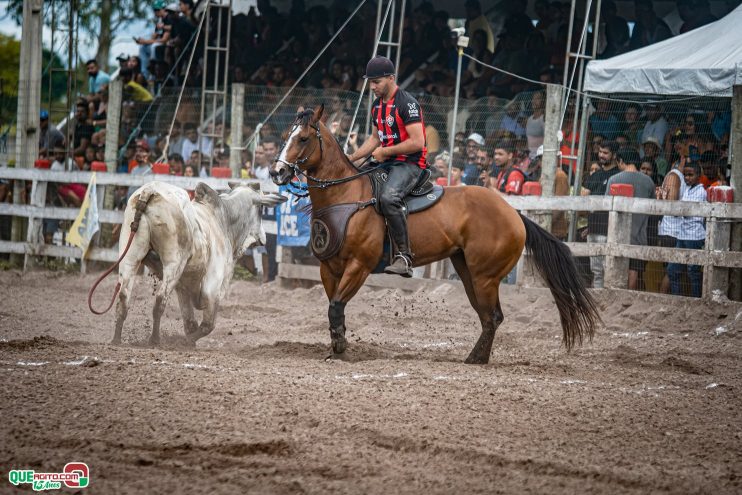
(651, 147)
(160, 36)
(49, 137)
(474, 143)
(400, 145)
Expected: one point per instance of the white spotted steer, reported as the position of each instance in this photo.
(191, 246)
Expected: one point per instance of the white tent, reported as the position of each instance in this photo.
(705, 61)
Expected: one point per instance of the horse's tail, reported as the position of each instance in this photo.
(578, 310)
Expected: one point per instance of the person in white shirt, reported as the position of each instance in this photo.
(193, 142)
(656, 125)
(691, 235)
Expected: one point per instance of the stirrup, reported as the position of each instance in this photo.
(407, 270)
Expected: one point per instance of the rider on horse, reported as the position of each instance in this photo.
(398, 144)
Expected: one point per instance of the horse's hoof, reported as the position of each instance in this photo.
(339, 346)
(472, 359)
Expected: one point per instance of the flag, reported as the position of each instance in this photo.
(86, 224)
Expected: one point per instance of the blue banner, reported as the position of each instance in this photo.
(292, 221)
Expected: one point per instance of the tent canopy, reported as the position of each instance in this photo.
(706, 61)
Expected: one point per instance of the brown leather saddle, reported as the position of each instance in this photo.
(329, 224)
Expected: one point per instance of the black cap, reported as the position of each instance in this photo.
(379, 67)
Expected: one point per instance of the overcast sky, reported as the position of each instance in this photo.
(123, 42)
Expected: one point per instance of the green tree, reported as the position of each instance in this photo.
(10, 56)
(98, 20)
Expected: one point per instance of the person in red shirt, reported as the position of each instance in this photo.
(510, 179)
(399, 145)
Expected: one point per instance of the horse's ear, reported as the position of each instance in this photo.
(318, 112)
(255, 186)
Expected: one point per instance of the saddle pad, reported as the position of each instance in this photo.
(328, 228)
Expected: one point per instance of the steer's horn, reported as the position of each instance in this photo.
(271, 199)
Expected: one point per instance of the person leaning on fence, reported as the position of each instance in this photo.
(510, 180)
(143, 165)
(596, 184)
(672, 189)
(628, 161)
(399, 143)
(691, 234)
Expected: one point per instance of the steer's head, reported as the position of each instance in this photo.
(239, 212)
(302, 146)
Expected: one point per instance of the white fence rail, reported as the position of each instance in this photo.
(716, 257)
(36, 210)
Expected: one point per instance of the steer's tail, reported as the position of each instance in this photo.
(145, 195)
(578, 310)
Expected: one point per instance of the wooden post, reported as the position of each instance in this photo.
(735, 138)
(35, 233)
(716, 278)
(550, 159)
(619, 232)
(113, 127)
(238, 111)
(29, 101)
(113, 123)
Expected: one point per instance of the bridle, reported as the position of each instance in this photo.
(301, 189)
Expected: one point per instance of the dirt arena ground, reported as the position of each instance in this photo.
(651, 406)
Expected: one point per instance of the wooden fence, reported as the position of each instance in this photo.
(716, 257)
(36, 210)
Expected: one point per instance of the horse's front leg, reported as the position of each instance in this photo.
(339, 291)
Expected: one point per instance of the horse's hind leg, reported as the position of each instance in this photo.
(485, 299)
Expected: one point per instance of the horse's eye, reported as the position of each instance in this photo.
(304, 139)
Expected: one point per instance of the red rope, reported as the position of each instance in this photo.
(107, 273)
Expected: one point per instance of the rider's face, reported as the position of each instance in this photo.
(381, 86)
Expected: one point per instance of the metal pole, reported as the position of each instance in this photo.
(452, 130)
(399, 33)
(390, 36)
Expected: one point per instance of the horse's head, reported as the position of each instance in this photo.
(302, 149)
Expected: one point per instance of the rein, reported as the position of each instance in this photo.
(302, 190)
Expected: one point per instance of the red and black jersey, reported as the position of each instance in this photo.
(391, 119)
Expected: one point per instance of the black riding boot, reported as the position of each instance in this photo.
(402, 264)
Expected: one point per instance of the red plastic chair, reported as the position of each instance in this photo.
(532, 189)
(721, 194)
(161, 168)
(221, 172)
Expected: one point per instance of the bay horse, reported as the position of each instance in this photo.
(473, 226)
